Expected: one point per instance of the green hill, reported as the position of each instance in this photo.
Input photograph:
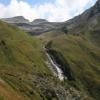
(20, 57)
(80, 51)
(83, 57)
(24, 72)
(27, 63)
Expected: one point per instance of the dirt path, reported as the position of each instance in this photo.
(8, 93)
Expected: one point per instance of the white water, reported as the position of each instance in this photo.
(58, 70)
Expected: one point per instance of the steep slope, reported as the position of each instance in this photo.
(7, 93)
(83, 58)
(86, 21)
(74, 47)
(77, 47)
(20, 57)
(24, 70)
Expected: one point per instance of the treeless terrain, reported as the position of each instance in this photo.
(8, 93)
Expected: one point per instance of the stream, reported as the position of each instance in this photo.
(55, 68)
(58, 64)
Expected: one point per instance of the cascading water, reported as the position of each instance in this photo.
(58, 72)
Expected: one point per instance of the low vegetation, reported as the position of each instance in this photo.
(83, 57)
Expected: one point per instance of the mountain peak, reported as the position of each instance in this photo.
(97, 5)
(20, 17)
(16, 19)
(37, 21)
(98, 1)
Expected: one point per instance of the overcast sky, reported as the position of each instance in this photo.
(52, 10)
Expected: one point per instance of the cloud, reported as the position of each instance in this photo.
(59, 10)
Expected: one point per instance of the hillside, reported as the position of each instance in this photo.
(83, 58)
(24, 72)
(77, 45)
(61, 62)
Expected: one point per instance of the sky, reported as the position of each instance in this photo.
(52, 10)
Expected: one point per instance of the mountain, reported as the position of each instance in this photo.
(24, 71)
(77, 45)
(87, 23)
(35, 27)
(62, 62)
(38, 21)
(15, 20)
(90, 16)
(40, 26)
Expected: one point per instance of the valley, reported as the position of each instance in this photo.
(43, 60)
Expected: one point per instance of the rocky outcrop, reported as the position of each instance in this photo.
(79, 23)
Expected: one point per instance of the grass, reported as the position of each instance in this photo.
(23, 63)
(80, 54)
(83, 56)
(20, 49)
(1, 98)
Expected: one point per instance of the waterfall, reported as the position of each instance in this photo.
(58, 71)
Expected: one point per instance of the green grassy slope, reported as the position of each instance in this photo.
(20, 57)
(24, 71)
(23, 65)
(17, 48)
(83, 56)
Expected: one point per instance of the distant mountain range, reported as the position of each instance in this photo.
(39, 26)
(35, 27)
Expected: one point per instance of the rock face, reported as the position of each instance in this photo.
(90, 16)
